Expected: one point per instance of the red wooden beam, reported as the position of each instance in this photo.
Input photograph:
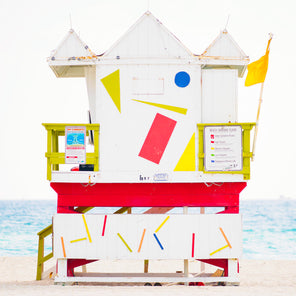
(149, 194)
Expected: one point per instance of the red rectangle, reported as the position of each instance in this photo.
(193, 243)
(157, 138)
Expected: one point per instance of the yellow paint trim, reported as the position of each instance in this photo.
(187, 160)
(112, 86)
(122, 239)
(158, 228)
(220, 249)
(167, 107)
(86, 228)
(247, 154)
(54, 157)
(78, 240)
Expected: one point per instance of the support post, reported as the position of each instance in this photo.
(62, 268)
(233, 271)
(202, 264)
(186, 265)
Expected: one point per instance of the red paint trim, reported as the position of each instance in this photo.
(73, 263)
(104, 226)
(193, 243)
(157, 138)
(148, 194)
(230, 210)
(222, 263)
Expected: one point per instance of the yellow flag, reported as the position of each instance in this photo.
(258, 69)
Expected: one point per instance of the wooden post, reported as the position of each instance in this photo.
(146, 265)
(40, 258)
(257, 121)
(202, 264)
(186, 264)
(62, 268)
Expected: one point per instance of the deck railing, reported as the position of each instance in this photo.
(41, 259)
(55, 158)
(246, 153)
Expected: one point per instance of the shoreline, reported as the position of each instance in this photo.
(257, 277)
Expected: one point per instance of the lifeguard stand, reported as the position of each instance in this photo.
(165, 130)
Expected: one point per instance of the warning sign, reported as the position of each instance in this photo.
(223, 148)
(75, 150)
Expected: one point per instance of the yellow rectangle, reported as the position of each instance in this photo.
(86, 228)
(78, 240)
(166, 219)
(219, 250)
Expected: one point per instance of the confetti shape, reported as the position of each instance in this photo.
(157, 138)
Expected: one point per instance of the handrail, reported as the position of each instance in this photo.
(54, 157)
(246, 153)
(41, 259)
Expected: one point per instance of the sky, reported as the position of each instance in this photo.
(30, 94)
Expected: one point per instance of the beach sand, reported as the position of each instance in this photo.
(257, 277)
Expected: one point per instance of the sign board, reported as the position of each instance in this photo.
(75, 148)
(223, 148)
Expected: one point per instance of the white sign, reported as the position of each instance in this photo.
(223, 148)
(75, 150)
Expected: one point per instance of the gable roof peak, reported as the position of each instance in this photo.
(225, 46)
(148, 38)
(71, 47)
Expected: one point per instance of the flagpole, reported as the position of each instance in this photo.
(257, 122)
(260, 103)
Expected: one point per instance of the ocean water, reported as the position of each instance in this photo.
(269, 227)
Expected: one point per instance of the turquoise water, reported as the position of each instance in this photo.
(269, 227)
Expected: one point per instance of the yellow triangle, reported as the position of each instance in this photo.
(187, 160)
(112, 85)
(167, 107)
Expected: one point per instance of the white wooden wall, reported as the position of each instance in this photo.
(219, 96)
(147, 236)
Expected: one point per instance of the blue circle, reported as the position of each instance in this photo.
(182, 79)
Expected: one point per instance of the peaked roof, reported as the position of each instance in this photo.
(71, 56)
(148, 37)
(224, 46)
(72, 47)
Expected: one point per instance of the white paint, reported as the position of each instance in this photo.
(143, 176)
(219, 96)
(148, 57)
(175, 236)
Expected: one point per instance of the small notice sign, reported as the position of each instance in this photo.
(223, 148)
(75, 150)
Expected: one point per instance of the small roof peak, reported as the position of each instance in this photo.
(224, 46)
(72, 48)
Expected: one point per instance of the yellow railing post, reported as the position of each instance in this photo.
(96, 149)
(55, 146)
(55, 158)
(41, 259)
(246, 150)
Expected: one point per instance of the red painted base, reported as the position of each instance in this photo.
(148, 194)
(164, 195)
